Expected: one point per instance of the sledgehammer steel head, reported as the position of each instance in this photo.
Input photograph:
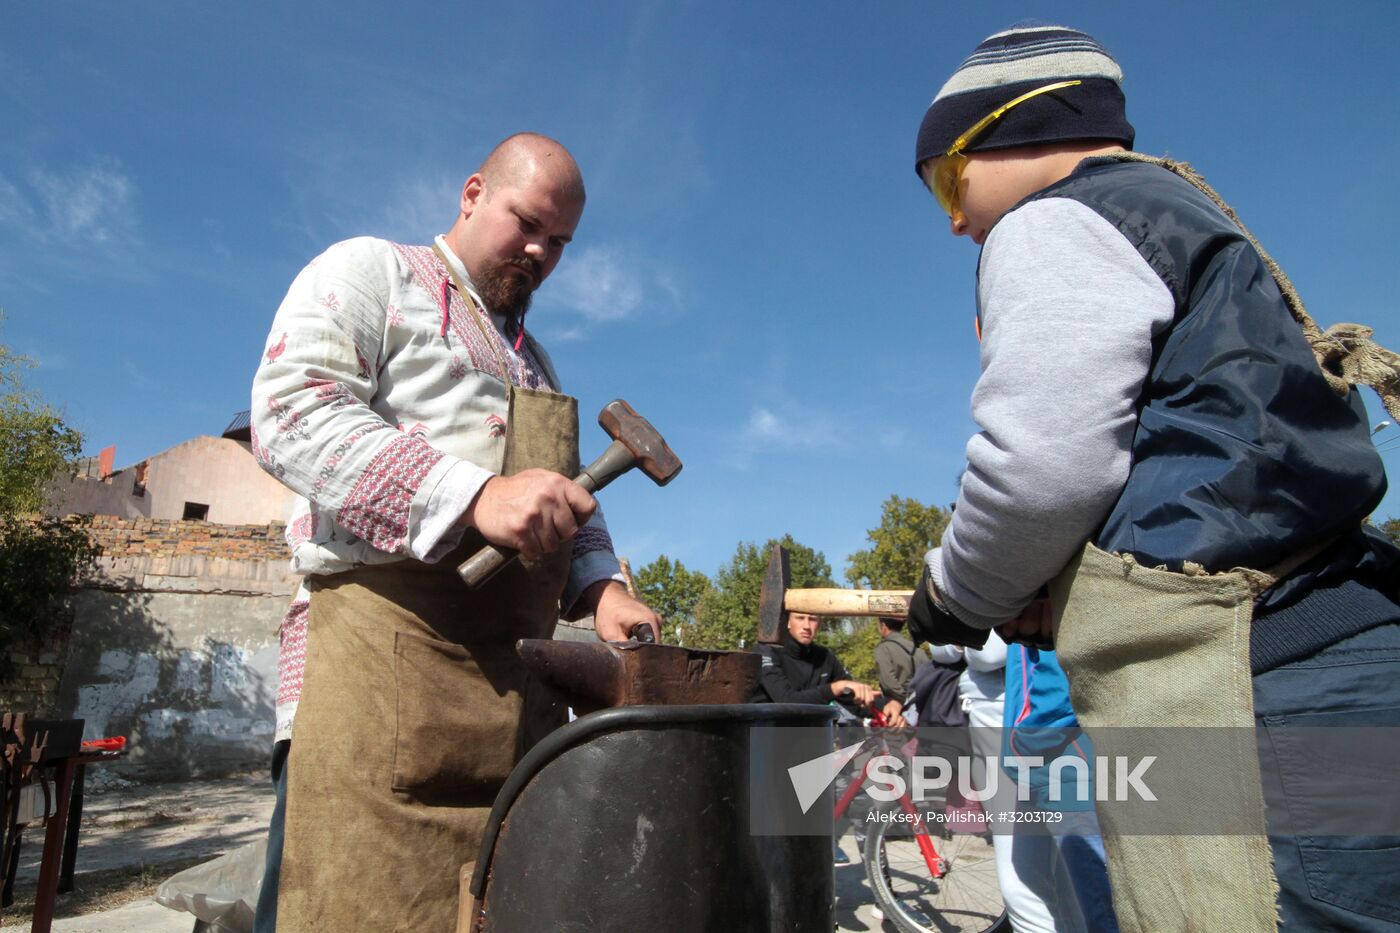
(635, 444)
(777, 580)
(654, 457)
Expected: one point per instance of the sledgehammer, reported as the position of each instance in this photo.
(635, 444)
(777, 598)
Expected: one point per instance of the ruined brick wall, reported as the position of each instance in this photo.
(172, 642)
(33, 686)
(153, 537)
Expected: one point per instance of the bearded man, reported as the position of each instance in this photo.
(404, 401)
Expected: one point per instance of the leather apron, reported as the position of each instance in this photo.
(414, 709)
(1145, 649)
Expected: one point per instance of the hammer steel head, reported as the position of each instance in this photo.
(777, 580)
(654, 458)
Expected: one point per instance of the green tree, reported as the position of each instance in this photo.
(727, 614)
(37, 446)
(673, 591)
(39, 556)
(908, 529)
(1391, 527)
(854, 644)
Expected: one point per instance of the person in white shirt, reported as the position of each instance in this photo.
(982, 689)
(403, 399)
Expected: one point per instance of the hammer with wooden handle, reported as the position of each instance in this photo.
(777, 599)
(635, 444)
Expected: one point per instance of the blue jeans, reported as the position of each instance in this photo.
(1070, 874)
(265, 919)
(1332, 882)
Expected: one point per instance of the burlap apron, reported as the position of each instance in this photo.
(1150, 648)
(414, 709)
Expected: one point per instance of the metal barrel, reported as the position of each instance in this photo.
(645, 816)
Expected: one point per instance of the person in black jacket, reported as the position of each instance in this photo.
(801, 671)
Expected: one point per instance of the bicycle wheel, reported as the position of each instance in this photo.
(965, 900)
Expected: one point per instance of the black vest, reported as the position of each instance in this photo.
(1243, 455)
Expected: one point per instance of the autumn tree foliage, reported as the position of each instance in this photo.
(39, 555)
(727, 614)
(907, 531)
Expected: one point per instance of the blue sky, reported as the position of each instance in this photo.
(758, 272)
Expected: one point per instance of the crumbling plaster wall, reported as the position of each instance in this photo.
(175, 646)
(214, 471)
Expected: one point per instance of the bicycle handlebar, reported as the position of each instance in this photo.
(877, 718)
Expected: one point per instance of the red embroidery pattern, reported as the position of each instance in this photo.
(393, 315)
(328, 468)
(496, 425)
(330, 302)
(288, 420)
(458, 369)
(334, 394)
(377, 508)
(590, 539)
(428, 271)
(291, 653)
(266, 460)
(301, 531)
(533, 365)
(276, 350)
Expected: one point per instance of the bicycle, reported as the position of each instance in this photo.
(919, 888)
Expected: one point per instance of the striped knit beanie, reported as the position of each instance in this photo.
(1021, 59)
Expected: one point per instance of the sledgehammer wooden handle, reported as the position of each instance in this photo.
(836, 602)
(484, 564)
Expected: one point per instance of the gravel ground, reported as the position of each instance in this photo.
(133, 825)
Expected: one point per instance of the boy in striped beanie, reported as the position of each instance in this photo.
(1148, 399)
(1069, 104)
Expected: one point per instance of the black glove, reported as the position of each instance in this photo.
(927, 622)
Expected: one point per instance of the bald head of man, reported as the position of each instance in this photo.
(517, 213)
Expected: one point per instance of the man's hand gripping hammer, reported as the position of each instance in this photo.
(635, 444)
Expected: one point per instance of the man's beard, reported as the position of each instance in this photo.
(507, 292)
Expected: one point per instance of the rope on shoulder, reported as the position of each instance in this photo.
(1345, 353)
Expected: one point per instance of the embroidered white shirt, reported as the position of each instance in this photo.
(380, 402)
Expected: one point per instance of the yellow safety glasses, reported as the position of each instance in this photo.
(943, 175)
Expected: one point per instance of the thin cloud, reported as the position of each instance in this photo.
(764, 425)
(793, 429)
(419, 208)
(566, 334)
(14, 206)
(97, 203)
(600, 283)
(138, 376)
(44, 360)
